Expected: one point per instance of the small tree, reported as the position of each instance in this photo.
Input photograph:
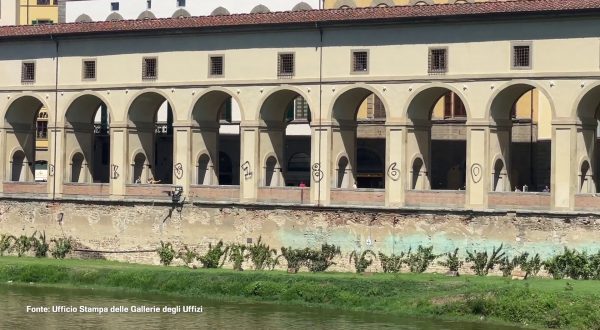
(40, 246)
(319, 261)
(212, 258)
(482, 263)
(361, 262)
(295, 258)
(22, 244)
(237, 256)
(262, 256)
(452, 262)
(392, 263)
(166, 253)
(186, 255)
(62, 247)
(419, 262)
(5, 243)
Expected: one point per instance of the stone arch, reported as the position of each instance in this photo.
(585, 107)
(218, 92)
(146, 14)
(351, 94)
(181, 13)
(278, 95)
(463, 1)
(342, 169)
(204, 165)
(382, 3)
(586, 183)
(425, 97)
(512, 90)
(139, 164)
(420, 2)
(26, 100)
(302, 6)
(260, 9)
(83, 18)
(18, 161)
(89, 93)
(114, 17)
(418, 174)
(147, 92)
(220, 11)
(271, 165)
(499, 175)
(344, 3)
(76, 164)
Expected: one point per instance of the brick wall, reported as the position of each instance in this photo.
(587, 202)
(519, 201)
(291, 195)
(358, 197)
(25, 188)
(86, 189)
(436, 198)
(215, 193)
(149, 191)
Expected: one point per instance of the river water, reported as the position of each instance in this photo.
(129, 313)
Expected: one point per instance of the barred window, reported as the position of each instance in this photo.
(114, 6)
(89, 69)
(285, 65)
(216, 66)
(180, 3)
(360, 61)
(438, 60)
(149, 4)
(149, 68)
(521, 56)
(28, 72)
(300, 108)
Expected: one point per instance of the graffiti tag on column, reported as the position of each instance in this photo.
(114, 169)
(317, 173)
(393, 172)
(247, 170)
(476, 172)
(51, 170)
(178, 171)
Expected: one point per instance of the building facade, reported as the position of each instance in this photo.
(317, 66)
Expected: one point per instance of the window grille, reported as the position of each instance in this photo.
(28, 72)
(300, 109)
(180, 3)
(149, 68)
(438, 60)
(521, 56)
(89, 69)
(285, 65)
(114, 6)
(216, 65)
(360, 61)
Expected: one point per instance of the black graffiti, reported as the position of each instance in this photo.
(476, 172)
(317, 173)
(114, 169)
(247, 170)
(393, 172)
(51, 170)
(178, 171)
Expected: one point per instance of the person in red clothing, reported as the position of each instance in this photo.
(302, 184)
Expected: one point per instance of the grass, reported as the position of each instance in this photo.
(535, 302)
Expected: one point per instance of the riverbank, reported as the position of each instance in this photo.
(536, 302)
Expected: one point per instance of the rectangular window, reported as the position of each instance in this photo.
(114, 6)
(41, 21)
(180, 3)
(149, 68)
(89, 69)
(216, 66)
(521, 56)
(285, 65)
(360, 61)
(149, 4)
(28, 72)
(438, 60)
(300, 108)
(43, 2)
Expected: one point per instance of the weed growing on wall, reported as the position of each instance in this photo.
(166, 253)
(482, 264)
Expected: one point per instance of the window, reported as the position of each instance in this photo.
(180, 3)
(285, 65)
(300, 108)
(114, 6)
(360, 61)
(41, 21)
(438, 60)
(521, 56)
(89, 69)
(42, 129)
(43, 2)
(216, 66)
(149, 4)
(28, 72)
(149, 68)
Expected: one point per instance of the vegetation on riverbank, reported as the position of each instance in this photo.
(537, 302)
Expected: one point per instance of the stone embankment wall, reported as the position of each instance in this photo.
(141, 227)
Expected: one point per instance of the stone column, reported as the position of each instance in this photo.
(418, 145)
(249, 168)
(56, 163)
(478, 167)
(119, 160)
(182, 165)
(343, 142)
(499, 148)
(395, 164)
(564, 164)
(4, 160)
(321, 164)
(272, 143)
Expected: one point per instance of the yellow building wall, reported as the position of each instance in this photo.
(30, 11)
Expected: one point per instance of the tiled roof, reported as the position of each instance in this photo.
(324, 17)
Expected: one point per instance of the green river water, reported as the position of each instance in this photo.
(205, 313)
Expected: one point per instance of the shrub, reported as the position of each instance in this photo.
(22, 244)
(594, 265)
(319, 261)
(262, 255)
(166, 253)
(236, 255)
(212, 258)
(507, 265)
(361, 263)
(482, 263)
(419, 261)
(40, 246)
(452, 262)
(531, 266)
(62, 247)
(295, 258)
(186, 255)
(571, 263)
(391, 264)
(5, 243)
